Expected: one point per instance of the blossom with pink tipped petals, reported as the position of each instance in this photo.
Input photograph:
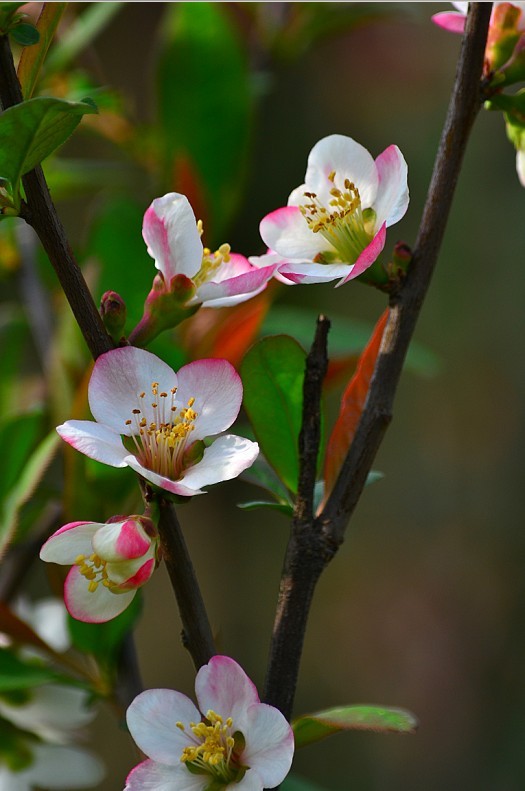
(231, 741)
(154, 420)
(334, 226)
(110, 562)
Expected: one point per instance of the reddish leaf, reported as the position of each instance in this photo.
(187, 180)
(352, 403)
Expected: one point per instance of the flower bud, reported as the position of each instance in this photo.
(165, 307)
(113, 312)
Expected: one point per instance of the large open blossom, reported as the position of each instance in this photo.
(155, 420)
(110, 562)
(231, 741)
(334, 226)
(173, 237)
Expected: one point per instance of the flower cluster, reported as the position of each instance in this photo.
(231, 741)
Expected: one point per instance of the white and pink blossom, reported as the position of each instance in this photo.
(219, 278)
(231, 741)
(334, 226)
(454, 21)
(109, 563)
(155, 420)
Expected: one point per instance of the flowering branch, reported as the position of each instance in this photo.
(313, 544)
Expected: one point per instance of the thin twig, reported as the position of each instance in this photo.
(196, 631)
(299, 578)
(309, 552)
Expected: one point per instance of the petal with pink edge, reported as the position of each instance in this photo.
(217, 389)
(152, 776)
(94, 440)
(121, 541)
(118, 378)
(368, 256)
(350, 160)
(72, 540)
(152, 721)
(392, 195)
(314, 273)
(223, 686)
(236, 289)
(269, 744)
(96, 606)
(225, 459)
(171, 234)
(287, 232)
(175, 487)
(452, 21)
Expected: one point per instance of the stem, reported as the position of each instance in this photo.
(299, 578)
(314, 543)
(196, 631)
(40, 213)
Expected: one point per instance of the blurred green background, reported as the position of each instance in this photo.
(424, 606)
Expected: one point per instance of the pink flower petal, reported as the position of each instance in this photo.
(315, 273)
(93, 606)
(236, 289)
(269, 744)
(121, 541)
(368, 256)
(94, 440)
(175, 487)
(72, 540)
(152, 721)
(118, 378)
(350, 160)
(226, 458)
(170, 232)
(392, 195)
(152, 776)
(286, 232)
(452, 21)
(223, 686)
(217, 389)
(137, 579)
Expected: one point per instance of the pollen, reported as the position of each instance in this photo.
(161, 431)
(211, 750)
(94, 570)
(341, 221)
(211, 261)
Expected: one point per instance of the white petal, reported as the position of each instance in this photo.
(223, 686)
(176, 487)
(152, 720)
(269, 744)
(350, 160)
(96, 606)
(226, 458)
(48, 618)
(236, 289)
(217, 389)
(286, 232)
(118, 378)
(314, 273)
(13, 781)
(170, 231)
(250, 782)
(392, 194)
(152, 776)
(94, 440)
(64, 768)
(520, 166)
(52, 712)
(69, 542)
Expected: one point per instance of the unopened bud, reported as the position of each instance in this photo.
(165, 307)
(113, 312)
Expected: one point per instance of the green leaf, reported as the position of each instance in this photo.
(13, 337)
(104, 640)
(272, 373)
(262, 475)
(81, 33)
(24, 487)
(314, 727)
(205, 105)
(17, 674)
(284, 508)
(296, 783)
(31, 59)
(25, 34)
(29, 132)
(20, 433)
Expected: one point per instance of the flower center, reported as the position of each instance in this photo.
(343, 224)
(93, 568)
(211, 262)
(160, 442)
(212, 750)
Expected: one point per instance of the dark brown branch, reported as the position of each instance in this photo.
(40, 213)
(305, 554)
(313, 545)
(196, 631)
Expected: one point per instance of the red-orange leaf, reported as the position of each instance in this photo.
(352, 403)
